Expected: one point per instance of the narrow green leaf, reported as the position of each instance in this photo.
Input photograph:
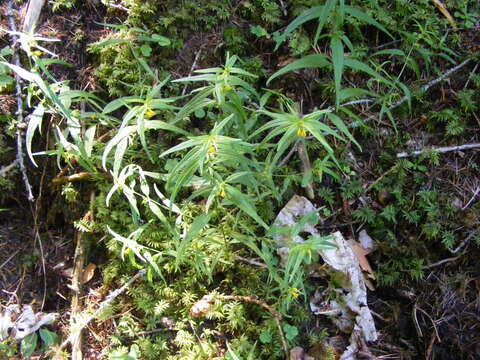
(244, 203)
(34, 123)
(353, 11)
(337, 59)
(198, 224)
(323, 17)
(309, 61)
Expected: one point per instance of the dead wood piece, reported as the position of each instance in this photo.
(439, 149)
(33, 13)
(81, 176)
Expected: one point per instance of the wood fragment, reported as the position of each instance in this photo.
(439, 149)
(81, 176)
(441, 262)
(33, 13)
(443, 9)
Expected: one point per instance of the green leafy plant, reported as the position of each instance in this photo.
(333, 14)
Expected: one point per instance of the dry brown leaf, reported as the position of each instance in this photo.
(445, 13)
(361, 254)
(88, 273)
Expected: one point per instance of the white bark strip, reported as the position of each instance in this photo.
(439, 149)
(33, 13)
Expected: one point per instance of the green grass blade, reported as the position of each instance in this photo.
(310, 61)
(337, 60)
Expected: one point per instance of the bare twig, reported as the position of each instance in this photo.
(441, 262)
(434, 82)
(472, 199)
(439, 149)
(250, 261)
(9, 258)
(369, 187)
(404, 99)
(192, 68)
(289, 155)
(4, 170)
(20, 119)
(470, 76)
(108, 300)
(81, 176)
(463, 243)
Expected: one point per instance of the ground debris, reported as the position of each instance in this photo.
(19, 322)
(352, 313)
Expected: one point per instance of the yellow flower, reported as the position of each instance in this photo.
(149, 113)
(223, 194)
(295, 292)
(301, 132)
(37, 53)
(211, 149)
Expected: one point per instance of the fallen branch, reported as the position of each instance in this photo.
(18, 93)
(192, 68)
(108, 300)
(439, 149)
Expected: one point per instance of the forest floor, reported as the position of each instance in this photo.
(432, 316)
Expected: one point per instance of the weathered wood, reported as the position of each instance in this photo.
(33, 13)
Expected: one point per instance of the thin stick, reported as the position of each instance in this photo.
(108, 300)
(251, 299)
(289, 155)
(20, 120)
(423, 89)
(369, 187)
(428, 85)
(9, 258)
(250, 261)
(472, 199)
(441, 262)
(4, 170)
(439, 149)
(194, 65)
